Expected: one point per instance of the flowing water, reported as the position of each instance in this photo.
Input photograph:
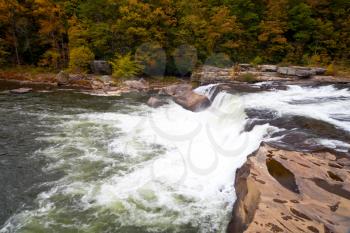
(72, 162)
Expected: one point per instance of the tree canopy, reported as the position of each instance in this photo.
(43, 32)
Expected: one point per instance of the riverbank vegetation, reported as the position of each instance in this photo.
(69, 34)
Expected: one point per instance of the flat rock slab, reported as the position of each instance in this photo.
(288, 191)
(21, 90)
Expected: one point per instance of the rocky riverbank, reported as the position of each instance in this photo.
(237, 75)
(96, 84)
(289, 191)
(262, 73)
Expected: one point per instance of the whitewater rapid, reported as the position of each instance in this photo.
(165, 169)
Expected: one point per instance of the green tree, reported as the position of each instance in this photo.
(273, 43)
(80, 59)
(124, 66)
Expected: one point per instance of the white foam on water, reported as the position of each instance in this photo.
(207, 90)
(335, 144)
(319, 103)
(203, 151)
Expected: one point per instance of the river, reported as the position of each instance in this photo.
(74, 162)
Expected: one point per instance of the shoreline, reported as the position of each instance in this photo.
(201, 76)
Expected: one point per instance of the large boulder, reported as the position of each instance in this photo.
(177, 89)
(62, 78)
(101, 67)
(22, 90)
(289, 191)
(155, 102)
(139, 85)
(192, 101)
(183, 95)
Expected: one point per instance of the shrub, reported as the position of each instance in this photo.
(246, 77)
(124, 66)
(330, 70)
(80, 59)
(257, 61)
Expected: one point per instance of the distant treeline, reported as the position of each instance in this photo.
(45, 32)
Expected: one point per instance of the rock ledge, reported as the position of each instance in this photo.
(288, 191)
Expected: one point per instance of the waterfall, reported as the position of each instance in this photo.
(134, 168)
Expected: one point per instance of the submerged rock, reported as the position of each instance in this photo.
(154, 102)
(21, 90)
(288, 191)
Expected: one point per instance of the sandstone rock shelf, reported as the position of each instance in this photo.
(289, 191)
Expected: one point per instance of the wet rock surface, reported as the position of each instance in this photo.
(155, 102)
(192, 101)
(289, 191)
(183, 95)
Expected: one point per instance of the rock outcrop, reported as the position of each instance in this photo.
(301, 72)
(183, 95)
(209, 74)
(288, 191)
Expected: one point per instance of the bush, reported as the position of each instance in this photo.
(330, 70)
(80, 59)
(124, 66)
(247, 77)
(257, 61)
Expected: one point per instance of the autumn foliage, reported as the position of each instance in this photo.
(47, 33)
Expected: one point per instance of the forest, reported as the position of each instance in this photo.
(57, 34)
